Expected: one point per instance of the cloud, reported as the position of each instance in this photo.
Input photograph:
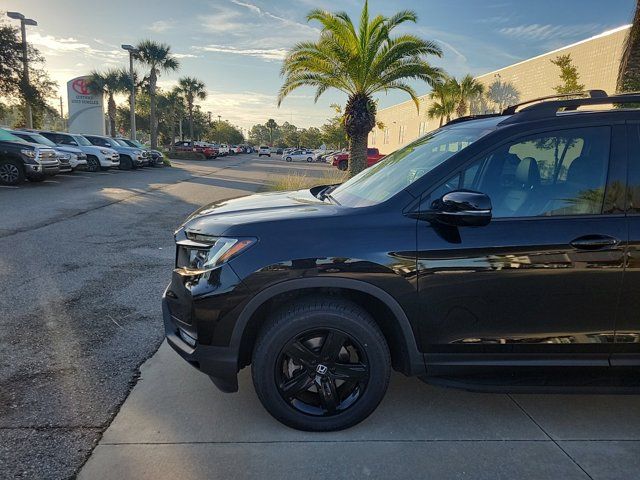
(538, 32)
(271, 54)
(160, 26)
(56, 46)
(185, 55)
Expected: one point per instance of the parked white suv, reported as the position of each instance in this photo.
(97, 157)
(264, 150)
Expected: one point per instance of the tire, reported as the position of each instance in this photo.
(307, 323)
(11, 172)
(343, 165)
(289, 159)
(125, 163)
(309, 159)
(93, 164)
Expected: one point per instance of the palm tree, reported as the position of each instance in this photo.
(271, 125)
(445, 100)
(629, 73)
(466, 90)
(192, 89)
(156, 56)
(110, 82)
(359, 62)
(173, 102)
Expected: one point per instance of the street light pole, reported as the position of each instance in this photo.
(132, 50)
(25, 61)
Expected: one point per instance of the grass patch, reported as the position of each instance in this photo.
(301, 181)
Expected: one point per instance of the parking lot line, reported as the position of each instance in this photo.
(8, 186)
(51, 181)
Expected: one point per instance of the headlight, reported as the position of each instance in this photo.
(105, 152)
(29, 153)
(203, 252)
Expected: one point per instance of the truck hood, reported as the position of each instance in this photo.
(216, 218)
(68, 149)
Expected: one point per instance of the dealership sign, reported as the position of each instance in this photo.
(86, 112)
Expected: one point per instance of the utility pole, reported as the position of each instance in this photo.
(62, 114)
(25, 61)
(132, 50)
(218, 129)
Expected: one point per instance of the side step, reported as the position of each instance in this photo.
(600, 381)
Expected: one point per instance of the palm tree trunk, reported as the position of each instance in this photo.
(111, 109)
(629, 74)
(152, 108)
(173, 131)
(191, 122)
(357, 153)
(441, 121)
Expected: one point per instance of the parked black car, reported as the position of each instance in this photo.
(497, 244)
(156, 158)
(20, 160)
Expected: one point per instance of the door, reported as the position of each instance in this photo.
(627, 340)
(541, 282)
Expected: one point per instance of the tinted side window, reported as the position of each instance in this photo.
(97, 141)
(65, 139)
(552, 174)
(633, 191)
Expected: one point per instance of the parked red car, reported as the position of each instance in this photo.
(341, 160)
(186, 146)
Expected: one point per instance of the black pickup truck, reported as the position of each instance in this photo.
(20, 160)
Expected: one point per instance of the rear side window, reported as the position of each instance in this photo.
(633, 190)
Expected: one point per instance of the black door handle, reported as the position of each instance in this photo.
(594, 242)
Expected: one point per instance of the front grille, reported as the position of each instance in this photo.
(63, 161)
(82, 156)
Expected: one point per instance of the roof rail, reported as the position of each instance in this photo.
(466, 118)
(550, 109)
(511, 109)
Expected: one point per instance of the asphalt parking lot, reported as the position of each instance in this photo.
(85, 258)
(84, 263)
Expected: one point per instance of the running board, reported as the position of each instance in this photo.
(552, 382)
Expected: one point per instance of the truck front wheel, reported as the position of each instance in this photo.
(11, 172)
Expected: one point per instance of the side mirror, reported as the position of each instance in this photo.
(460, 208)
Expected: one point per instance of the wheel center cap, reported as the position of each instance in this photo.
(321, 369)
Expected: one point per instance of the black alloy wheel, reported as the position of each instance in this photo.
(11, 172)
(93, 164)
(288, 159)
(309, 159)
(320, 363)
(125, 163)
(322, 372)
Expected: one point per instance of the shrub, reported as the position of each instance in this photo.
(301, 181)
(187, 156)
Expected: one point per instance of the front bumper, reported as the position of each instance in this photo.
(204, 311)
(42, 168)
(109, 160)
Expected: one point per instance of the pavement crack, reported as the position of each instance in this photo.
(549, 436)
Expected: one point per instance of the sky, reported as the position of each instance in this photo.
(236, 46)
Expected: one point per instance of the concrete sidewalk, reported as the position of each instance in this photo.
(175, 424)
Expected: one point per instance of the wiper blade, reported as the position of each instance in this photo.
(330, 197)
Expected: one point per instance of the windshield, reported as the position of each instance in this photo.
(37, 138)
(133, 143)
(121, 142)
(8, 137)
(397, 171)
(82, 141)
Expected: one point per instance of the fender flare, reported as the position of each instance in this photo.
(415, 365)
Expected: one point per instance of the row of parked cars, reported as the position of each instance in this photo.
(210, 150)
(36, 154)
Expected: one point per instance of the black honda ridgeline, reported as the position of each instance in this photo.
(485, 254)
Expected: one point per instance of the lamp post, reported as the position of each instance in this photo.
(25, 61)
(132, 50)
